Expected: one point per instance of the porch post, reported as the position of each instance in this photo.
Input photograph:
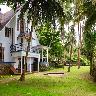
(47, 55)
(38, 51)
(24, 60)
(21, 66)
(42, 54)
(30, 65)
(24, 65)
(38, 63)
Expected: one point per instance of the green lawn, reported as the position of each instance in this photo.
(76, 83)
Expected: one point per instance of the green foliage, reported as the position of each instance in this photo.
(83, 60)
(51, 38)
(86, 8)
(70, 38)
(90, 42)
(90, 46)
(70, 42)
(45, 68)
(47, 35)
(57, 49)
(90, 11)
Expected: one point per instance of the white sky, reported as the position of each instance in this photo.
(4, 8)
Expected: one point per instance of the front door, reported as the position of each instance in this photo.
(35, 64)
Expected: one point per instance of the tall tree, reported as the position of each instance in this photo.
(90, 43)
(89, 32)
(70, 41)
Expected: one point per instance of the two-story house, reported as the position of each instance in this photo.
(14, 50)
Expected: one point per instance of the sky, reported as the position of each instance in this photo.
(4, 8)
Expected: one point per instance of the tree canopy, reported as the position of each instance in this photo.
(38, 10)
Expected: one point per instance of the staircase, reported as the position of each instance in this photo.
(7, 69)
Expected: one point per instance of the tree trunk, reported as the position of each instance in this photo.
(79, 43)
(94, 73)
(62, 37)
(70, 58)
(29, 39)
(22, 78)
(78, 58)
(91, 64)
(64, 62)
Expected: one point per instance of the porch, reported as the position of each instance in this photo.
(20, 52)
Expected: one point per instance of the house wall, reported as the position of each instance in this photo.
(16, 31)
(7, 41)
(6, 44)
(34, 42)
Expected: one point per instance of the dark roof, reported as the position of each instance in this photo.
(5, 18)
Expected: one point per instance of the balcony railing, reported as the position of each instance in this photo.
(22, 47)
(17, 47)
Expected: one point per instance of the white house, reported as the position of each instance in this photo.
(13, 43)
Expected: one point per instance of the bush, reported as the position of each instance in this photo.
(45, 68)
(83, 60)
(4, 69)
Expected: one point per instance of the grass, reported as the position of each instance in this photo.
(76, 83)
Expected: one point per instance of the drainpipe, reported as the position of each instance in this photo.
(12, 36)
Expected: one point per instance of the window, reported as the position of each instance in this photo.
(8, 31)
(22, 21)
(17, 24)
